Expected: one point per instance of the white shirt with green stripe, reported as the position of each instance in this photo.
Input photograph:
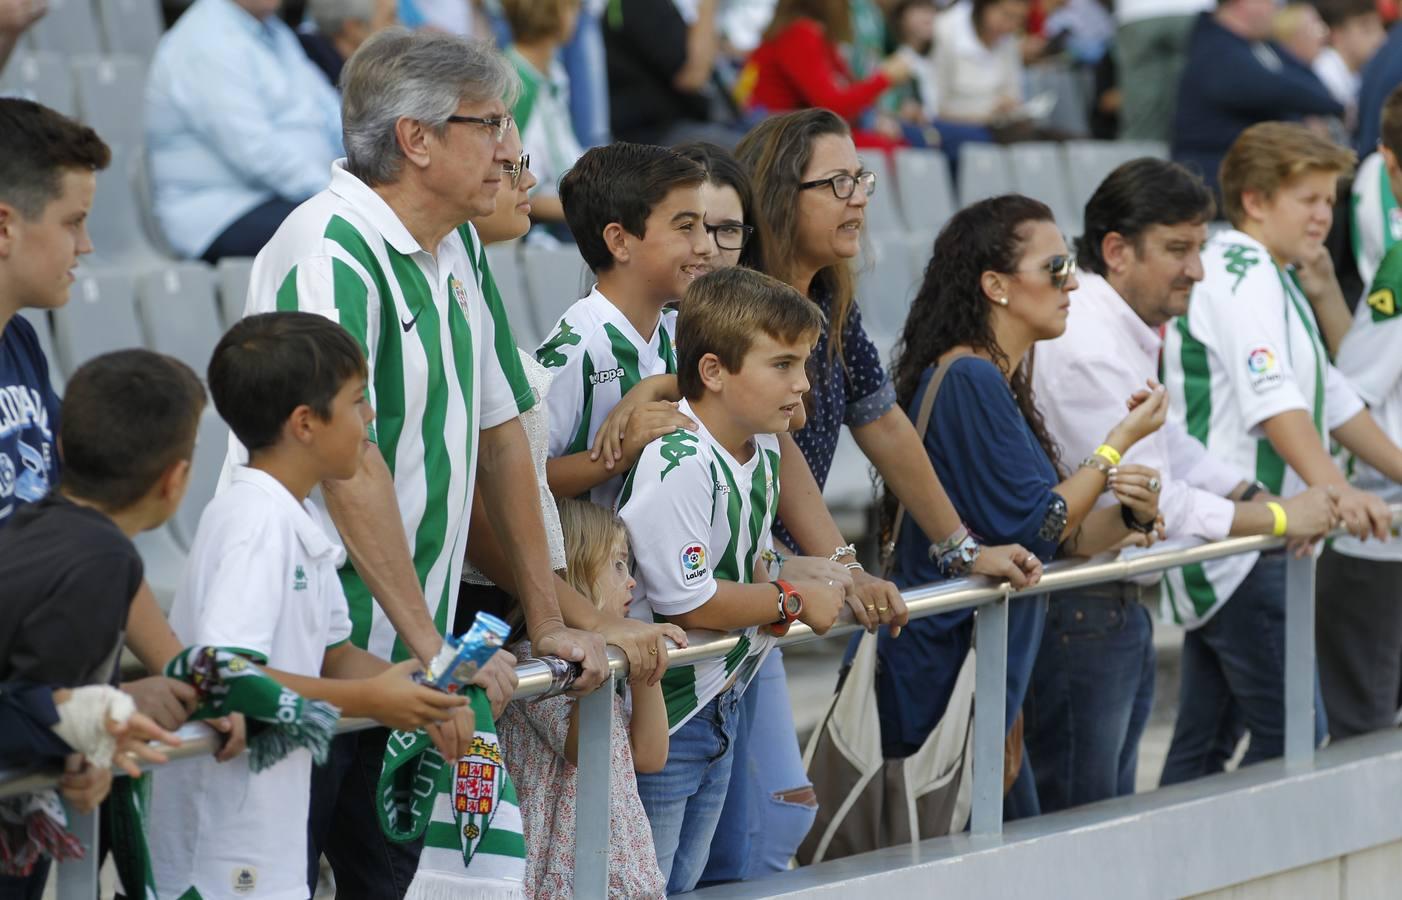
(1249, 349)
(1377, 221)
(696, 515)
(1371, 359)
(542, 113)
(597, 356)
(443, 365)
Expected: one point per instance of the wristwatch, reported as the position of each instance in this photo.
(790, 606)
(1133, 524)
(1252, 490)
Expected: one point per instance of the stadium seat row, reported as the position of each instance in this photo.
(97, 26)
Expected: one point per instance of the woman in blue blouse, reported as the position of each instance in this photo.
(997, 283)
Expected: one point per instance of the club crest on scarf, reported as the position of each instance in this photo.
(477, 790)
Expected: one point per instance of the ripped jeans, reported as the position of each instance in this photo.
(770, 805)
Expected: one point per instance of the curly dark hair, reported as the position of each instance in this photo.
(951, 310)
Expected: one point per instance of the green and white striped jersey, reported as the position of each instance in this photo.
(696, 515)
(443, 365)
(1377, 222)
(1248, 349)
(597, 356)
(1371, 360)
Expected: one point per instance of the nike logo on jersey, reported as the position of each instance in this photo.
(410, 324)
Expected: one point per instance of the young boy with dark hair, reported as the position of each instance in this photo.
(637, 215)
(262, 581)
(48, 173)
(70, 572)
(698, 507)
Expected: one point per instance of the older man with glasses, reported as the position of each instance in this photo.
(385, 251)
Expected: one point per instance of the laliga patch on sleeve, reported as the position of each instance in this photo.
(693, 560)
(1263, 368)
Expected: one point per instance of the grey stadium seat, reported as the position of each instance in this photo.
(984, 171)
(178, 315)
(164, 562)
(1088, 163)
(41, 77)
(69, 27)
(926, 189)
(39, 318)
(211, 445)
(1039, 170)
(111, 97)
(131, 26)
(506, 271)
(100, 316)
(886, 283)
(883, 211)
(555, 278)
(234, 274)
(115, 221)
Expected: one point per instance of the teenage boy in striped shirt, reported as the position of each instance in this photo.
(698, 507)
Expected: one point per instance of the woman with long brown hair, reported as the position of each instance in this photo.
(997, 283)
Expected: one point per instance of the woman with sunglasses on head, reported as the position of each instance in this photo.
(998, 283)
(486, 576)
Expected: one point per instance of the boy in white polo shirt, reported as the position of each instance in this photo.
(262, 581)
(636, 212)
(698, 507)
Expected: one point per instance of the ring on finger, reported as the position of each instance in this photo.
(1154, 485)
(883, 609)
(652, 651)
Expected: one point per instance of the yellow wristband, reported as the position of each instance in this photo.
(1278, 511)
(1110, 453)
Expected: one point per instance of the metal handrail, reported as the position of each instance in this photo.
(535, 679)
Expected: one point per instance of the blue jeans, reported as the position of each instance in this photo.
(1091, 692)
(583, 59)
(763, 825)
(344, 823)
(1233, 678)
(26, 887)
(683, 802)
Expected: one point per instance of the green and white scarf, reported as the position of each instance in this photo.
(467, 814)
(279, 722)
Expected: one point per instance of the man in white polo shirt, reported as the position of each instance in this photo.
(384, 252)
(1093, 684)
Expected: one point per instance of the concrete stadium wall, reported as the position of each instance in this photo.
(1373, 874)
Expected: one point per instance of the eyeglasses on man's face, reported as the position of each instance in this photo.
(730, 235)
(844, 184)
(498, 126)
(517, 170)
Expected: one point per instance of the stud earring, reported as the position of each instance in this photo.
(1002, 301)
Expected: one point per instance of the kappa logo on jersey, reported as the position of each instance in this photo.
(1383, 304)
(244, 880)
(549, 354)
(1263, 368)
(1240, 260)
(693, 557)
(605, 376)
(676, 447)
(299, 579)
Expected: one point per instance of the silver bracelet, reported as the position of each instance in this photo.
(855, 567)
(840, 552)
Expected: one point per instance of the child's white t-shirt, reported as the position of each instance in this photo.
(261, 578)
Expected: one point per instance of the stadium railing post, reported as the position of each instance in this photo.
(77, 878)
(1299, 660)
(990, 698)
(591, 833)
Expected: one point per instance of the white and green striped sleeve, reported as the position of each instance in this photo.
(666, 504)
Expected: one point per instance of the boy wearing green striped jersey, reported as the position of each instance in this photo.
(636, 213)
(1249, 375)
(698, 508)
(1360, 636)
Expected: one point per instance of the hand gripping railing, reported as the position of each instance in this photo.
(78, 880)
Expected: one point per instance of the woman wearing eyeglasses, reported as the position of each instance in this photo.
(996, 285)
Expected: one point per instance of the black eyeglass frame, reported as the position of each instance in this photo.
(868, 188)
(746, 231)
(502, 124)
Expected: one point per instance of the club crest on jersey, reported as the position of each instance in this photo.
(460, 295)
(693, 558)
(1263, 368)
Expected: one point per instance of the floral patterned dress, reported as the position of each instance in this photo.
(533, 736)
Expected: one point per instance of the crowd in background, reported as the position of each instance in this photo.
(398, 464)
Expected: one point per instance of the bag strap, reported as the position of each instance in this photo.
(922, 422)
